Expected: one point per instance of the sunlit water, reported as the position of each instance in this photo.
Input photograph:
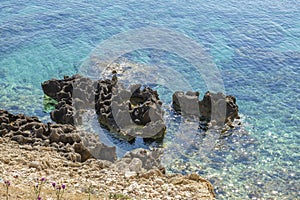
(255, 45)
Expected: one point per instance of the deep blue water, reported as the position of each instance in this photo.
(254, 44)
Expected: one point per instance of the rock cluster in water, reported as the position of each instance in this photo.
(214, 107)
(129, 112)
(132, 112)
(73, 94)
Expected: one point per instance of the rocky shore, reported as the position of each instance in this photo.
(31, 150)
(62, 152)
(99, 179)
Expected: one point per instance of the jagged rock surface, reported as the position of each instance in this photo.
(133, 112)
(129, 112)
(222, 107)
(217, 107)
(64, 138)
(73, 94)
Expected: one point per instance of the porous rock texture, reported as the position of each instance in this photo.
(64, 138)
(140, 161)
(128, 112)
(74, 94)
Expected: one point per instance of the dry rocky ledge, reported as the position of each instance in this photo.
(102, 179)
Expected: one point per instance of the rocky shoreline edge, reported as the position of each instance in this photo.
(31, 149)
(64, 153)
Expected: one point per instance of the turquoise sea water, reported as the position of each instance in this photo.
(255, 45)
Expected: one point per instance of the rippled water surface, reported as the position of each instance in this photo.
(254, 44)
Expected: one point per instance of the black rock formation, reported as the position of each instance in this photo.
(128, 112)
(73, 94)
(216, 108)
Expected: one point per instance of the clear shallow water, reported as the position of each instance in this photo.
(256, 46)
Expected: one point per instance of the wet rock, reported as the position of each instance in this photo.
(63, 114)
(73, 95)
(186, 104)
(216, 108)
(129, 112)
(125, 112)
(52, 87)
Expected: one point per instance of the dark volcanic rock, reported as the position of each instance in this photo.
(74, 94)
(213, 107)
(218, 107)
(186, 104)
(128, 112)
